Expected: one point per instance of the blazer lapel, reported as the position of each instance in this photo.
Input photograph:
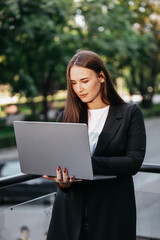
(111, 126)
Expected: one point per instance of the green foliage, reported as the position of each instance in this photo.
(37, 39)
(7, 138)
(34, 43)
(152, 112)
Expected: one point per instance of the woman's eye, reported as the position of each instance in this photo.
(73, 83)
(85, 81)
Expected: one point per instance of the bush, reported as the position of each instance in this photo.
(7, 137)
(151, 112)
(8, 141)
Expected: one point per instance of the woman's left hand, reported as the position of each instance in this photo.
(62, 179)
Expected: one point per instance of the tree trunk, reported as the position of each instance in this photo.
(146, 101)
(33, 108)
(45, 105)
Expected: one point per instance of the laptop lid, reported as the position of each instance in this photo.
(43, 146)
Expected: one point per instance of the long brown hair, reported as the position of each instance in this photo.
(75, 110)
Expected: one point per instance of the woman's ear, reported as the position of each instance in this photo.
(102, 77)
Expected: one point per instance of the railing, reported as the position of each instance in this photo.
(32, 215)
(18, 178)
(35, 213)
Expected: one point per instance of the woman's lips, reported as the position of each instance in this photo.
(83, 95)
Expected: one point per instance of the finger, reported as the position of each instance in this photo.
(49, 178)
(78, 180)
(71, 179)
(59, 174)
(65, 175)
(45, 176)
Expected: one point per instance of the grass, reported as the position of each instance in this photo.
(151, 112)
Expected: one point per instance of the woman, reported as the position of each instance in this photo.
(102, 209)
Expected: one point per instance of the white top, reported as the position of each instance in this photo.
(96, 121)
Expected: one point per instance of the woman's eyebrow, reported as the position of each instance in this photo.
(81, 78)
(84, 78)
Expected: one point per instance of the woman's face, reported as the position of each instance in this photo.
(86, 84)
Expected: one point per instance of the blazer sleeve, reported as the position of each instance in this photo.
(131, 161)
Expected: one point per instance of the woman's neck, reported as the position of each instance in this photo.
(96, 105)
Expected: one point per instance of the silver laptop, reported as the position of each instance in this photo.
(43, 146)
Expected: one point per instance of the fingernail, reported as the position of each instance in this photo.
(72, 178)
(64, 170)
(58, 168)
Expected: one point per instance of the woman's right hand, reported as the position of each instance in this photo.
(62, 179)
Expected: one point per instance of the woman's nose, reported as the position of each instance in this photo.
(79, 87)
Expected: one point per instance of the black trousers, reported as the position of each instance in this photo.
(84, 226)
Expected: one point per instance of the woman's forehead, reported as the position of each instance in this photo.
(80, 72)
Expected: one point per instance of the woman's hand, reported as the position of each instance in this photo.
(62, 179)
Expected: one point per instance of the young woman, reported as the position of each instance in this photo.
(102, 209)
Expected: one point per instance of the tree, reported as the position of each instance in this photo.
(36, 44)
(38, 38)
(144, 71)
(124, 34)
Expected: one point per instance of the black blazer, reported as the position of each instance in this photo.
(110, 203)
